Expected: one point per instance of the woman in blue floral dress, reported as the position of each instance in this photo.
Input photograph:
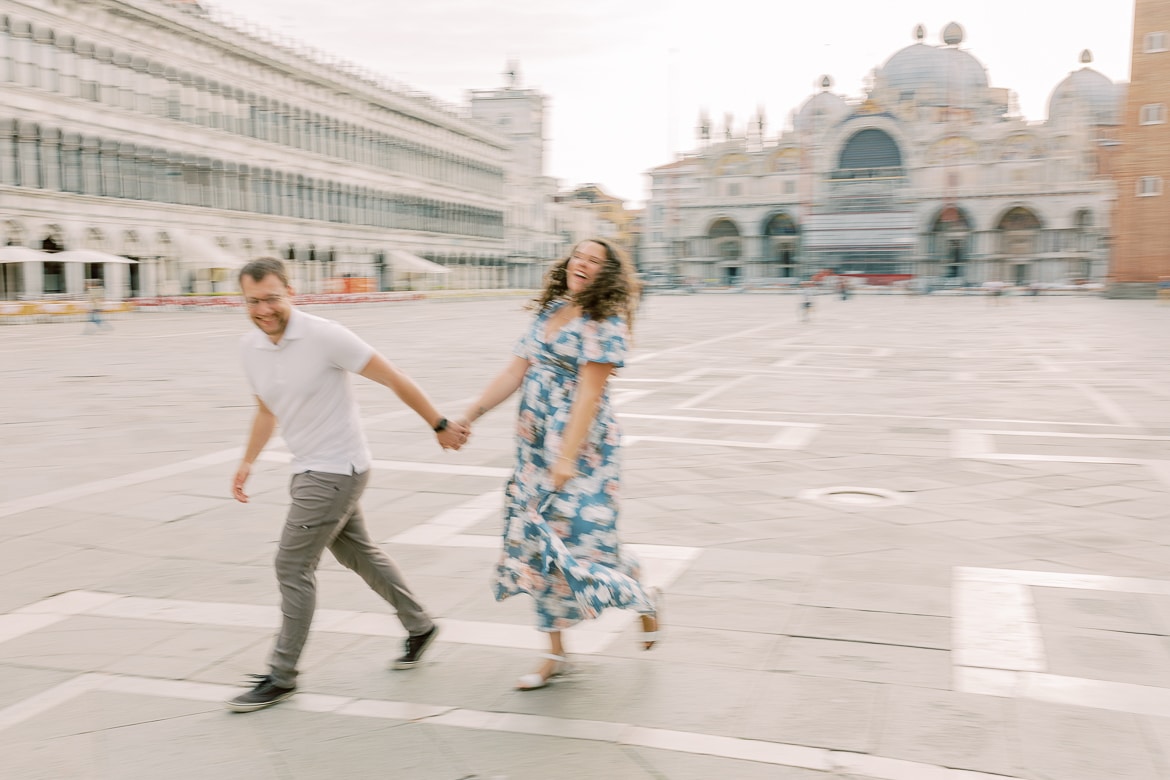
(560, 518)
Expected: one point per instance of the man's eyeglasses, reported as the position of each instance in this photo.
(271, 300)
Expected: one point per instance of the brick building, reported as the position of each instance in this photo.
(1142, 243)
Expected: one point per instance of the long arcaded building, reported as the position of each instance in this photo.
(159, 132)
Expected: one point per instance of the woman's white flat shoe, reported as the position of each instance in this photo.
(647, 639)
(534, 681)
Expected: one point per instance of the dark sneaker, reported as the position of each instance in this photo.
(415, 647)
(265, 694)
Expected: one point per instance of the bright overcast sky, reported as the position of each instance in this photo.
(626, 78)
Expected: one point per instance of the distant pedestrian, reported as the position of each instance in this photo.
(806, 301)
(298, 365)
(994, 291)
(95, 296)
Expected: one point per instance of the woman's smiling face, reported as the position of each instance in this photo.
(586, 262)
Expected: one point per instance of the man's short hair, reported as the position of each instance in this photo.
(262, 267)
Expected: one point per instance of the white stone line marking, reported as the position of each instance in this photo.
(880, 768)
(758, 751)
(1110, 409)
(625, 396)
(979, 445)
(793, 413)
(696, 344)
(751, 445)
(730, 747)
(714, 391)
(1056, 579)
(718, 420)
(827, 372)
(970, 444)
(113, 483)
(792, 435)
(995, 627)
(446, 528)
(13, 626)
(791, 360)
(998, 649)
(795, 437)
(1102, 694)
(588, 638)
(1048, 364)
(48, 699)
(418, 467)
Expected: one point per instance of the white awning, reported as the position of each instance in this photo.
(90, 256)
(410, 263)
(860, 231)
(22, 254)
(198, 252)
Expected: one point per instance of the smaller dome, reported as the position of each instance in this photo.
(820, 112)
(1087, 90)
(953, 34)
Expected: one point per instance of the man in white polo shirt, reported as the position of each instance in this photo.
(299, 365)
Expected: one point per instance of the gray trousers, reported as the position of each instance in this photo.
(325, 513)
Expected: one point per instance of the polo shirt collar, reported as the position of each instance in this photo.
(296, 325)
(295, 329)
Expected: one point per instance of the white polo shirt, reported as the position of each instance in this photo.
(305, 381)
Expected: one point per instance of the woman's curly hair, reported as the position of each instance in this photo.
(614, 291)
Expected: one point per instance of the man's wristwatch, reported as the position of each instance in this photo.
(441, 425)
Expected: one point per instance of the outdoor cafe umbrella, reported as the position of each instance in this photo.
(22, 254)
(87, 256)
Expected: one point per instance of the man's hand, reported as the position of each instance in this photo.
(454, 436)
(238, 483)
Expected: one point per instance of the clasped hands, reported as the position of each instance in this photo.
(455, 435)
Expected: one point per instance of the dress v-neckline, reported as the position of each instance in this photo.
(549, 338)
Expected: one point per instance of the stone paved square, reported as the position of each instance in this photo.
(915, 537)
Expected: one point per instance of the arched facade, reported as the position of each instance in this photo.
(918, 177)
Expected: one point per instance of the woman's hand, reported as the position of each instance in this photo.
(563, 469)
(454, 435)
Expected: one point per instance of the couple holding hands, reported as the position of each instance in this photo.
(560, 542)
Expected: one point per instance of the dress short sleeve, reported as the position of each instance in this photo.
(605, 341)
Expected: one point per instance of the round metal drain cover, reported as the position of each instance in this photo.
(855, 497)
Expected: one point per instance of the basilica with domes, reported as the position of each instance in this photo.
(931, 174)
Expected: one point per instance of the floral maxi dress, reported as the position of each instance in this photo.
(562, 547)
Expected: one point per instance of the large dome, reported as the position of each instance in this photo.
(933, 75)
(1087, 90)
(820, 112)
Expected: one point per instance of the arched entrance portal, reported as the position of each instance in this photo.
(780, 235)
(728, 249)
(1019, 239)
(950, 245)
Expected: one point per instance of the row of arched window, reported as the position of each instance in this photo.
(37, 57)
(46, 158)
